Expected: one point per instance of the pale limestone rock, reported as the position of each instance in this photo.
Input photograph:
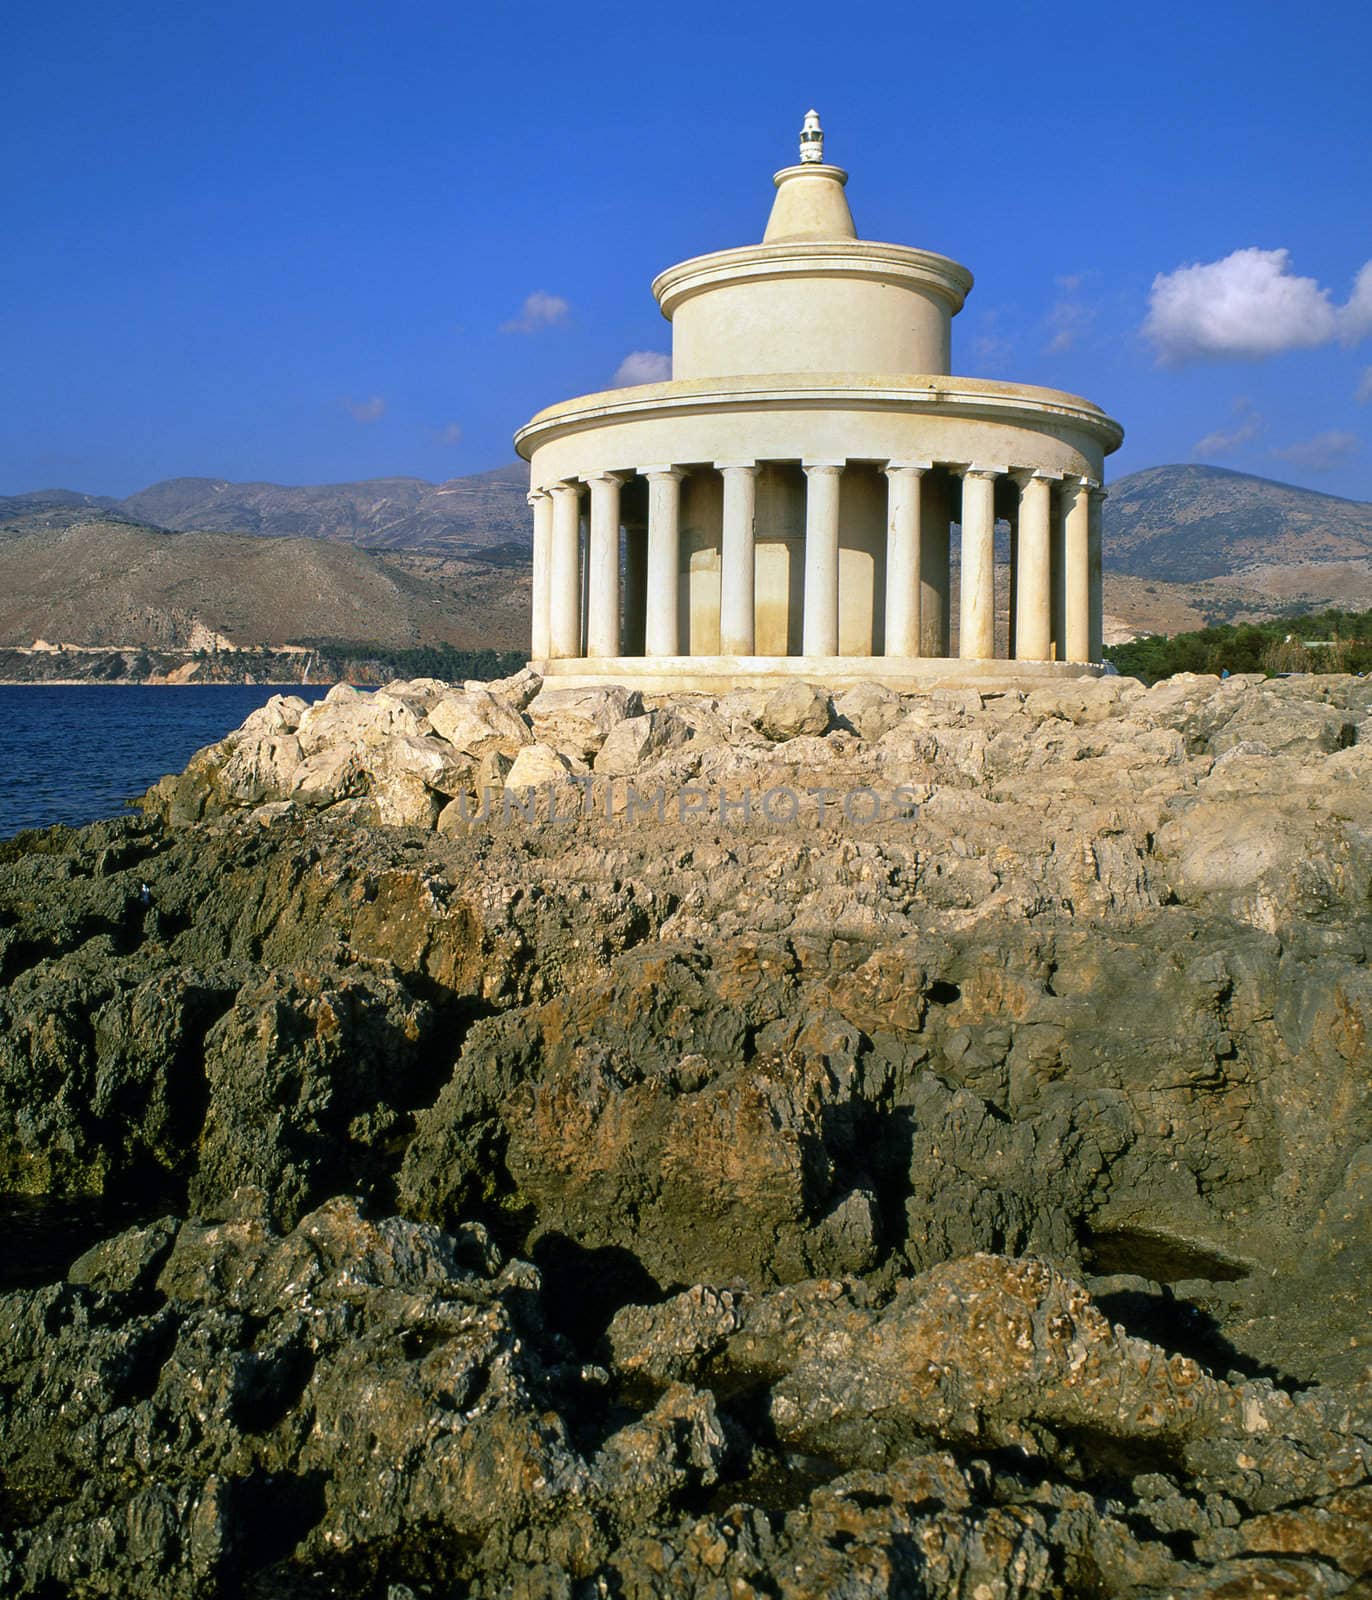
(477, 722)
(517, 690)
(262, 767)
(356, 718)
(1081, 700)
(955, 703)
(578, 721)
(430, 760)
(539, 764)
(336, 773)
(281, 714)
(795, 708)
(871, 708)
(415, 688)
(637, 740)
(404, 800)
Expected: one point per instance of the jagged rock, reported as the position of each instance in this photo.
(794, 709)
(335, 772)
(870, 708)
(478, 723)
(538, 764)
(636, 741)
(281, 714)
(578, 721)
(430, 760)
(517, 690)
(1016, 1156)
(262, 768)
(354, 718)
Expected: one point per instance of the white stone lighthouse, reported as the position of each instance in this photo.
(784, 505)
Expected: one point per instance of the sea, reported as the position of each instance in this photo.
(76, 753)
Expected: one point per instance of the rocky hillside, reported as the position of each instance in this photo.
(963, 1192)
(1188, 523)
(114, 583)
(481, 510)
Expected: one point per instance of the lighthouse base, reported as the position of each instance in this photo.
(720, 674)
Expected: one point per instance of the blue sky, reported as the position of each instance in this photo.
(299, 241)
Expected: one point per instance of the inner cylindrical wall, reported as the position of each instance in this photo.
(824, 323)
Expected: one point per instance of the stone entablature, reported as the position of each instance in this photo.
(788, 497)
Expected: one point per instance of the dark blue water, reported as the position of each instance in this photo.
(75, 754)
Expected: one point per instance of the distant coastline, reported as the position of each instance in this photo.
(313, 662)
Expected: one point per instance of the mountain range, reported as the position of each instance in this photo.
(482, 511)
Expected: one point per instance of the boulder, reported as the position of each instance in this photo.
(476, 722)
(870, 709)
(633, 743)
(578, 721)
(281, 714)
(337, 772)
(261, 768)
(538, 764)
(517, 690)
(795, 708)
(354, 718)
(433, 761)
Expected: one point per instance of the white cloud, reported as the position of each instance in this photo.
(1247, 424)
(540, 310)
(1322, 453)
(1250, 304)
(1364, 394)
(366, 410)
(642, 366)
(450, 433)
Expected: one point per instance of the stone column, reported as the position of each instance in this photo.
(1033, 635)
(1061, 500)
(977, 616)
(737, 559)
(903, 535)
(539, 633)
(662, 636)
(819, 629)
(1076, 624)
(1096, 607)
(564, 574)
(602, 557)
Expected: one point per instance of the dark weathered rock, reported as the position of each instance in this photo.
(978, 1202)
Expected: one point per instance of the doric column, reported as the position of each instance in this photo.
(1096, 605)
(977, 618)
(602, 557)
(564, 572)
(903, 533)
(1076, 493)
(737, 570)
(662, 636)
(1033, 637)
(539, 633)
(819, 628)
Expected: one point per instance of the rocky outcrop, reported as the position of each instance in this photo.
(701, 1149)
